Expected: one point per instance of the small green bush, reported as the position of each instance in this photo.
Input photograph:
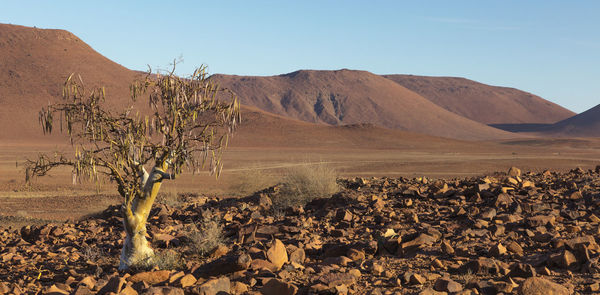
(302, 184)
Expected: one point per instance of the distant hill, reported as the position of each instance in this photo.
(351, 97)
(484, 103)
(36, 62)
(586, 124)
(34, 65)
(262, 129)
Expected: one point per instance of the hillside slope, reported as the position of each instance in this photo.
(262, 129)
(353, 97)
(35, 64)
(586, 124)
(37, 61)
(484, 103)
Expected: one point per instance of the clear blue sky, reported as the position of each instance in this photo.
(550, 48)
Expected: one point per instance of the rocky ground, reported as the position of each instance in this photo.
(499, 234)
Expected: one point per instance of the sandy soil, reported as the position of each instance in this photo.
(247, 169)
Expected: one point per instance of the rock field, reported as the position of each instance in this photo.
(506, 233)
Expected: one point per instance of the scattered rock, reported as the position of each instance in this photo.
(277, 287)
(151, 277)
(430, 291)
(214, 286)
(482, 235)
(114, 285)
(497, 250)
(54, 290)
(515, 248)
(514, 172)
(447, 285)
(336, 279)
(416, 279)
(165, 291)
(447, 248)
(419, 241)
(186, 281)
(277, 254)
(540, 286)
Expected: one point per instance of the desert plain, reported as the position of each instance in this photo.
(431, 197)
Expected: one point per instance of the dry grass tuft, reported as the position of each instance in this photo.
(302, 184)
(90, 253)
(164, 260)
(169, 260)
(207, 235)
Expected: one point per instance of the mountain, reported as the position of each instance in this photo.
(35, 64)
(484, 103)
(586, 124)
(262, 129)
(352, 97)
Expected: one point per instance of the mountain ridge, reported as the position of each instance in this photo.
(484, 103)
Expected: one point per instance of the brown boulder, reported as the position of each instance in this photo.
(514, 172)
(541, 220)
(497, 250)
(261, 264)
(128, 290)
(186, 281)
(522, 270)
(224, 265)
(540, 286)
(336, 279)
(54, 290)
(238, 288)
(447, 248)
(420, 241)
(114, 285)
(565, 259)
(277, 254)
(298, 256)
(416, 279)
(88, 282)
(447, 285)
(150, 277)
(214, 286)
(514, 247)
(355, 254)
(277, 287)
(482, 265)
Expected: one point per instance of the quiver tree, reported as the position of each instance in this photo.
(187, 125)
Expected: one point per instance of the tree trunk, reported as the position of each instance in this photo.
(136, 249)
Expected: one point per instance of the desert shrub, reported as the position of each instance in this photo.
(302, 184)
(168, 260)
(206, 235)
(90, 253)
(251, 181)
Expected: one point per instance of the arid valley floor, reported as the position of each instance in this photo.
(387, 231)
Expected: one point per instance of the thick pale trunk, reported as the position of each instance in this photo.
(136, 249)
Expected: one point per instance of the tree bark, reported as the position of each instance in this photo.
(136, 248)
